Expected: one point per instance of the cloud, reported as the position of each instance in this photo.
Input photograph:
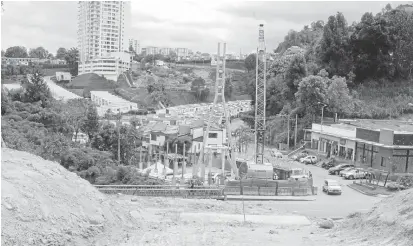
(197, 25)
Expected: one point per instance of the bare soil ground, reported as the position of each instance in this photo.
(44, 204)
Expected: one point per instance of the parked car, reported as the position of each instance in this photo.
(331, 186)
(355, 174)
(328, 163)
(341, 174)
(336, 170)
(300, 156)
(309, 160)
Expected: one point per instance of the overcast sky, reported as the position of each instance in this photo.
(195, 25)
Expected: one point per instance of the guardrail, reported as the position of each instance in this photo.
(204, 192)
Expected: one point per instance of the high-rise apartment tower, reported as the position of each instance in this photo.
(103, 28)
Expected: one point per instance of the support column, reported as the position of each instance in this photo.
(210, 167)
(223, 163)
(140, 158)
(166, 159)
(175, 167)
(202, 168)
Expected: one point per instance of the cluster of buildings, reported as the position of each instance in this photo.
(107, 102)
(373, 144)
(189, 121)
(26, 61)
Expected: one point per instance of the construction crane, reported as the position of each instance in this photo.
(216, 119)
(260, 97)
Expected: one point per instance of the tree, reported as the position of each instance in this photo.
(16, 52)
(197, 86)
(338, 95)
(293, 75)
(250, 62)
(36, 89)
(71, 58)
(334, 52)
(311, 90)
(2, 53)
(77, 113)
(91, 123)
(38, 52)
(61, 53)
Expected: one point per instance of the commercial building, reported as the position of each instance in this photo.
(386, 149)
(103, 28)
(109, 66)
(182, 53)
(107, 102)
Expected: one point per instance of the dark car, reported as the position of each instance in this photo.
(337, 169)
(151, 110)
(327, 164)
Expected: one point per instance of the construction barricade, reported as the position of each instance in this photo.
(250, 191)
(301, 191)
(267, 191)
(284, 191)
(232, 191)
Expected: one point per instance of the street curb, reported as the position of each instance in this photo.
(263, 199)
(360, 191)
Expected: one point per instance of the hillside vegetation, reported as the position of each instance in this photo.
(362, 70)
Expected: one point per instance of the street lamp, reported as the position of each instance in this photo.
(323, 105)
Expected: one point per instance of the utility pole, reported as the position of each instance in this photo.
(119, 136)
(288, 132)
(295, 133)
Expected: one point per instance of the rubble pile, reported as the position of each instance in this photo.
(390, 222)
(44, 204)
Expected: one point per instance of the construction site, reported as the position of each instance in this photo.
(228, 196)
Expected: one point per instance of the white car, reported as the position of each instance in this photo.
(345, 171)
(309, 159)
(331, 186)
(355, 174)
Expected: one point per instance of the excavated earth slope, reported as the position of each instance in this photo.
(44, 204)
(389, 223)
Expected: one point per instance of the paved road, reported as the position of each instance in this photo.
(330, 205)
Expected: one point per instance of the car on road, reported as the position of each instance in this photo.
(337, 169)
(299, 156)
(355, 174)
(309, 160)
(331, 186)
(341, 174)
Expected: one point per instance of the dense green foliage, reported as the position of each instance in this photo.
(33, 121)
(356, 70)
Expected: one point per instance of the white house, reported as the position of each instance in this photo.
(63, 76)
(106, 101)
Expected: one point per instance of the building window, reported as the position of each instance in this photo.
(213, 135)
(383, 162)
(153, 137)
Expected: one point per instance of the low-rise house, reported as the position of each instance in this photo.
(63, 76)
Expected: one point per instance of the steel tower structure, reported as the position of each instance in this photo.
(217, 119)
(260, 97)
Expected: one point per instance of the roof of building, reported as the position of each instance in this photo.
(395, 125)
(184, 130)
(159, 127)
(110, 97)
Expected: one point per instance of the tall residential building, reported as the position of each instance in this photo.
(103, 37)
(103, 27)
(135, 45)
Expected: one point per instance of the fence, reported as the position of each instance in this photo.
(270, 191)
(162, 191)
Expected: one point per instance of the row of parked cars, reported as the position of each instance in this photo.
(348, 171)
(305, 158)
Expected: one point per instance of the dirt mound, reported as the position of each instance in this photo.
(390, 222)
(44, 204)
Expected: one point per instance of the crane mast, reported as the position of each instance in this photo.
(260, 97)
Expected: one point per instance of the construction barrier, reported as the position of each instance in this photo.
(314, 190)
(250, 191)
(284, 191)
(267, 191)
(232, 191)
(301, 191)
